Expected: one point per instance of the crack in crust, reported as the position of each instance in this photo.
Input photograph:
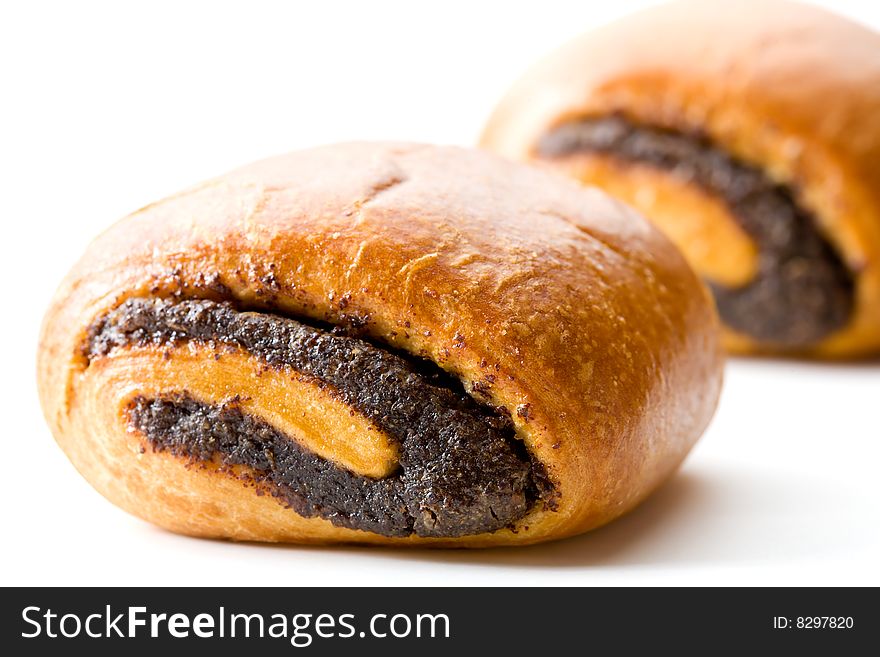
(802, 291)
(462, 471)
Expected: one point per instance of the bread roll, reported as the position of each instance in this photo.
(380, 343)
(750, 133)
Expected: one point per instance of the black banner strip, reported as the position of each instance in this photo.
(320, 621)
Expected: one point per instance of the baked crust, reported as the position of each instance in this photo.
(553, 302)
(788, 87)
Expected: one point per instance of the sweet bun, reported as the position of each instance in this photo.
(380, 343)
(750, 133)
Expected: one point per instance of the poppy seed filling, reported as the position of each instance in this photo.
(802, 292)
(461, 469)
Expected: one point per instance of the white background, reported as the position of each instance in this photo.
(105, 107)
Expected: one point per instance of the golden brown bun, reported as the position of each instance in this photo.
(788, 87)
(584, 314)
